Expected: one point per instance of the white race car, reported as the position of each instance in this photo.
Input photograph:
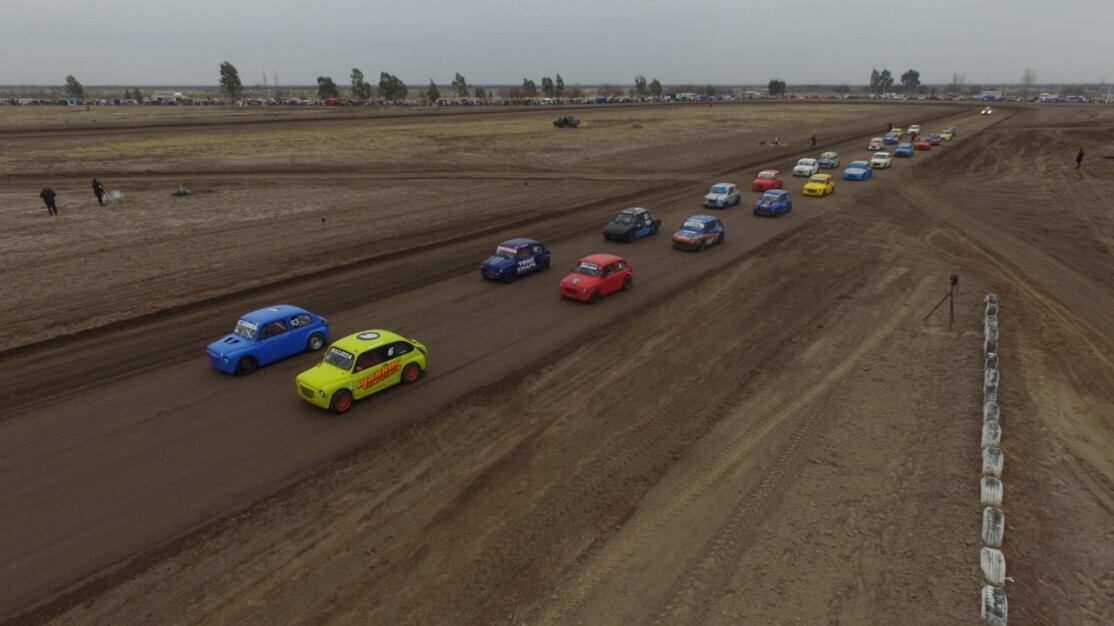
(914, 129)
(723, 195)
(806, 167)
(987, 111)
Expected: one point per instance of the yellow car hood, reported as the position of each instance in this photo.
(323, 376)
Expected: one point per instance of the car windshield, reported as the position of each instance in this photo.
(624, 218)
(693, 225)
(340, 358)
(767, 175)
(504, 252)
(859, 164)
(772, 197)
(828, 155)
(246, 329)
(818, 179)
(719, 189)
(584, 267)
(807, 162)
(881, 156)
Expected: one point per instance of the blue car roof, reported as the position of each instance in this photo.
(778, 192)
(269, 314)
(701, 218)
(518, 243)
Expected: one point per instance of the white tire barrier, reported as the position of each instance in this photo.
(993, 526)
(991, 434)
(992, 462)
(991, 361)
(990, 411)
(990, 385)
(991, 491)
(993, 564)
(993, 607)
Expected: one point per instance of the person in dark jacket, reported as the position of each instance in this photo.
(98, 190)
(1079, 159)
(47, 194)
(812, 142)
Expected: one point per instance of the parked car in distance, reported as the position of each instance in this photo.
(881, 160)
(858, 170)
(904, 149)
(877, 143)
(267, 335)
(566, 121)
(773, 203)
(698, 232)
(631, 224)
(514, 258)
(723, 195)
(596, 276)
(360, 365)
(766, 180)
(828, 160)
(806, 167)
(819, 185)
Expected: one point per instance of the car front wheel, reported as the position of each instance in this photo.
(628, 282)
(316, 342)
(246, 366)
(595, 297)
(342, 401)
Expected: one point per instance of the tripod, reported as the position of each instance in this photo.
(950, 299)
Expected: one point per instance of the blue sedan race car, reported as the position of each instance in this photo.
(513, 258)
(774, 202)
(268, 335)
(890, 139)
(858, 170)
(904, 149)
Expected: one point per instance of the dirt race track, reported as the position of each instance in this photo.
(766, 432)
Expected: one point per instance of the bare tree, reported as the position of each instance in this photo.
(1028, 79)
(957, 82)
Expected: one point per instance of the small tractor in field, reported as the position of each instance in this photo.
(566, 121)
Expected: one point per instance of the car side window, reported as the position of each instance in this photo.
(607, 271)
(273, 329)
(523, 253)
(370, 359)
(620, 266)
(300, 320)
(398, 349)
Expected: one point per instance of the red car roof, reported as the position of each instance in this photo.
(602, 259)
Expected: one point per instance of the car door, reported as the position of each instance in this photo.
(541, 256)
(524, 260)
(369, 371)
(274, 342)
(299, 330)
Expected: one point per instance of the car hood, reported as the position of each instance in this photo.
(229, 344)
(496, 263)
(766, 202)
(323, 376)
(580, 281)
(687, 233)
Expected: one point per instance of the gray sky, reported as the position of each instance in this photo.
(149, 42)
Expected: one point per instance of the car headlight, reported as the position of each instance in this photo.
(224, 358)
(321, 393)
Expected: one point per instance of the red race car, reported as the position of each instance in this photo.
(922, 144)
(767, 180)
(595, 276)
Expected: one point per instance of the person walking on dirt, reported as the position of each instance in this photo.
(98, 190)
(1079, 159)
(889, 126)
(812, 142)
(47, 194)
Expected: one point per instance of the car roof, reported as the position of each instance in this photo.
(601, 258)
(634, 210)
(822, 176)
(875, 138)
(853, 163)
(780, 192)
(903, 144)
(701, 218)
(829, 154)
(518, 243)
(365, 340)
(771, 171)
(271, 313)
(725, 184)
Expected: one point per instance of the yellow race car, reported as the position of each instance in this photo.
(947, 134)
(897, 130)
(819, 185)
(359, 365)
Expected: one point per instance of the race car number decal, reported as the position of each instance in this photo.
(378, 375)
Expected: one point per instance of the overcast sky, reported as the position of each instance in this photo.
(182, 42)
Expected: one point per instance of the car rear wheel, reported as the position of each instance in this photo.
(316, 342)
(628, 282)
(411, 373)
(722, 237)
(511, 275)
(545, 265)
(246, 366)
(630, 237)
(594, 298)
(342, 401)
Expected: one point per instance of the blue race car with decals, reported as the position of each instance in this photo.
(891, 139)
(904, 149)
(858, 170)
(514, 258)
(774, 202)
(268, 335)
(698, 232)
(631, 224)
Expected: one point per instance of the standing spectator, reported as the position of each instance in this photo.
(47, 194)
(812, 142)
(98, 190)
(1079, 159)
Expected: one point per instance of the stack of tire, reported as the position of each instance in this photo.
(991, 488)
